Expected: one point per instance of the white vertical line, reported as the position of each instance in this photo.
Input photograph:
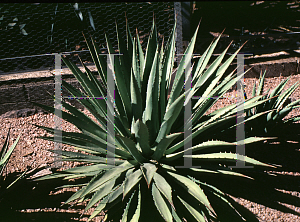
(240, 128)
(188, 115)
(188, 162)
(58, 113)
(110, 157)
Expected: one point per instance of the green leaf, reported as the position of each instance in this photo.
(148, 170)
(179, 77)
(81, 121)
(254, 89)
(130, 181)
(82, 175)
(99, 208)
(284, 96)
(254, 139)
(282, 113)
(75, 196)
(97, 59)
(141, 57)
(142, 136)
(202, 146)
(97, 87)
(125, 217)
(230, 157)
(10, 150)
(117, 193)
(85, 102)
(261, 85)
(210, 73)
(135, 64)
(136, 216)
(163, 208)
(151, 109)
(120, 81)
(198, 216)
(192, 188)
(211, 70)
(105, 202)
(125, 58)
(131, 147)
(149, 58)
(4, 149)
(101, 192)
(108, 175)
(293, 104)
(168, 63)
(203, 61)
(275, 93)
(163, 145)
(81, 144)
(170, 116)
(223, 198)
(86, 83)
(164, 187)
(200, 128)
(136, 99)
(52, 176)
(85, 169)
(130, 43)
(219, 170)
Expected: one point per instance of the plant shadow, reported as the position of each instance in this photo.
(30, 200)
(268, 184)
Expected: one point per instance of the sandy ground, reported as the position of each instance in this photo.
(32, 152)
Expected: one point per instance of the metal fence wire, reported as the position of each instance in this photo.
(29, 31)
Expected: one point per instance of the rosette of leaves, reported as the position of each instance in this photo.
(144, 181)
(273, 111)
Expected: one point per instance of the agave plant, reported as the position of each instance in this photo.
(146, 180)
(5, 154)
(273, 110)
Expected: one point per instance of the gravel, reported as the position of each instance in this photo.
(32, 152)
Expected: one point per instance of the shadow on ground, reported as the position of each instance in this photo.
(35, 195)
(264, 189)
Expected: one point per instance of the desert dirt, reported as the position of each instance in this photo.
(39, 201)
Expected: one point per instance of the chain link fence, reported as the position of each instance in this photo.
(32, 33)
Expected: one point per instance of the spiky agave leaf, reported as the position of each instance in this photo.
(5, 154)
(149, 135)
(273, 110)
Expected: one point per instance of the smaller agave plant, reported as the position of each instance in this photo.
(5, 154)
(145, 182)
(273, 110)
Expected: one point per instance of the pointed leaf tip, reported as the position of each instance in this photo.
(222, 31)
(199, 22)
(244, 44)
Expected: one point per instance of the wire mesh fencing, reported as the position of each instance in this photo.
(32, 33)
